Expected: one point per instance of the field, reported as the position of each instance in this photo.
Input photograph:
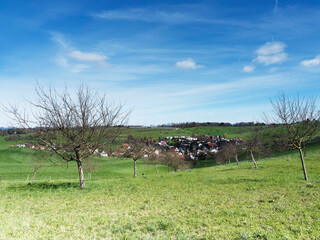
(231, 132)
(220, 202)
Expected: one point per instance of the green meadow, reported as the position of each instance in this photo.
(218, 202)
(230, 131)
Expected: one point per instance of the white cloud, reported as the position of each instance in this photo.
(271, 53)
(87, 56)
(59, 40)
(272, 59)
(271, 48)
(188, 64)
(311, 62)
(248, 69)
(72, 59)
(149, 15)
(72, 67)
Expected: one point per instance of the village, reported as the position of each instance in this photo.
(186, 148)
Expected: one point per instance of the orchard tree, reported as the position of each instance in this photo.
(170, 159)
(90, 166)
(73, 125)
(136, 149)
(154, 157)
(38, 161)
(228, 151)
(298, 122)
(254, 145)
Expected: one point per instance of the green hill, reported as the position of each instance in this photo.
(221, 202)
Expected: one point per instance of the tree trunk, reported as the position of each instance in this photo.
(157, 169)
(237, 160)
(229, 161)
(303, 165)
(135, 168)
(81, 176)
(34, 174)
(89, 175)
(254, 162)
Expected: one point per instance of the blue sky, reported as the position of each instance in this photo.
(172, 61)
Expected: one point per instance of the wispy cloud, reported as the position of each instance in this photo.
(75, 60)
(162, 102)
(148, 15)
(271, 53)
(59, 40)
(175, 16)
(248, 69)
(311, 62)
(87, 56)
(188, 64)
(275, 7)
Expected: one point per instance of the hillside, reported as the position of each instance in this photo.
(230, 131)
(221, 202)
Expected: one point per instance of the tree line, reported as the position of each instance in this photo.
(210, 124)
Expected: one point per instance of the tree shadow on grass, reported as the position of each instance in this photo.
(239, 180)
(44, 186)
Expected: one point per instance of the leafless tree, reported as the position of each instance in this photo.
(73, 125)
(38, 161)
(253, 145)
(228, 151)
(298, 122)
(170, 159)
(154, 157)
(136, 149)
(90, 166)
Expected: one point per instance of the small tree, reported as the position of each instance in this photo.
(136, 149)
(71, 125)
(38, 161)
(225, 154)
(228, 151)
(253, 145)
(298, 122)
(90, 166)
(170, 159)
(154, 157)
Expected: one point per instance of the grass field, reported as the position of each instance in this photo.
(221, 202)
(241, 132)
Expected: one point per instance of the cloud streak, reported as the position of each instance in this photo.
(148, 15)
(180, 15)
(188, 64)
(271, 53)
(248, 69)
(87, 56)
(75, 60)
(311, 62)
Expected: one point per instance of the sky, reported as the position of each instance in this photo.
(169, 61)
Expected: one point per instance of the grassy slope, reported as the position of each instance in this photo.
(223, 202)
(241, 132)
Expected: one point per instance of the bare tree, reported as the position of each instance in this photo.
(298, 120)
(136, 149)
(170, 159)
(38, 161)
(154, 157)
(72, 125)
(228, 151)
(253, 145)
(90, 166)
